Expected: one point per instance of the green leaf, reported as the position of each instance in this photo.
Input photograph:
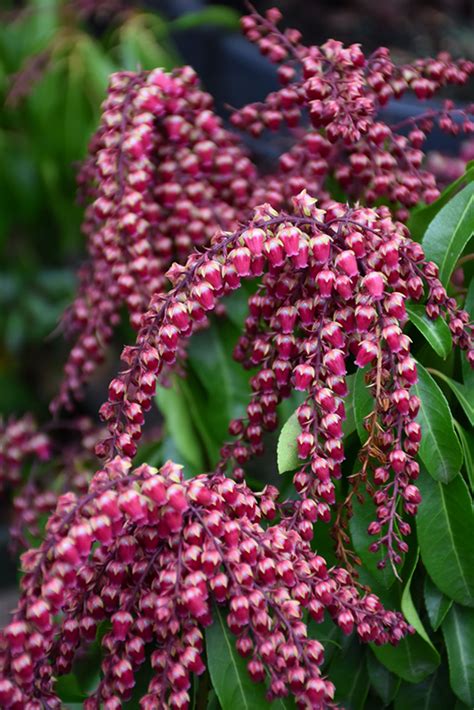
(384, 683)
(217, 15)
(412, 660)
(409, 610)
(422, 216)
(68, 689)
(348, 672)
(361, 401)
(463, 394)
(458, 630)
(467, 370)
(228, 671)
(172, 404)
(445, 526)
(433, 693)
(449, 232)
(467, 443)
(436, 331)
(440, 450)
(363, 514)
(287, 449)
(436, 603)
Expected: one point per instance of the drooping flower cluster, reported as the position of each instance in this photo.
(341, 92)
(20, 441)
(154, 555)
(333, 291)
(151, 552)
(162, 176)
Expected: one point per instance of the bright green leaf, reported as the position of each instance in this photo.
(172, 404)
(436, 603)
(449, 232)
(287, 448)
(361, 401)
(458, 630)
(436, 331)
(445, 526)
(440, 450)
(408, 608)
(422, 216)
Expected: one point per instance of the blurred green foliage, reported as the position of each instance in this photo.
(55, 60)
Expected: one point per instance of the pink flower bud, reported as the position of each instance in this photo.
(241, 260)
(374, 284)
(254, 239)
(325, 281)
(303, 377)
(290, 238)
(366, 353)
(335, 363)
(347, 262)
(320, 247)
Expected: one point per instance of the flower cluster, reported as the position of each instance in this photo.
(150, 553)
(334, 283)
(341, 92)
(20, 441)
(175, 220)
(162, 176)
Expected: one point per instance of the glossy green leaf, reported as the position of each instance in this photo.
(436, 332)
(363, 514)
(287, 449)
(467, 443)
(409, 610)
(412, 660)
(172, 404)
(458, 630)
(348, 672)
(433, 693)
(464, 394)
(349, 423)
(422, 216)
(467, 370)
(449, 232)
(445, 526)
(361, 401)
(436, 603)
(228, 671)
(384, 683)
(440, 450)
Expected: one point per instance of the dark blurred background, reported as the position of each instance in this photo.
(55, 58)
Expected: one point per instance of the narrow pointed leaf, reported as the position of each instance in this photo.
(436, 603)
(464, 394)
(458, 630)
(440, 450)
(384, 683)
(348, 672)
(436, 331)
(433, 693)
(449, 232)
(412, 660)
(445, 526)
(228, 670)
(287, 448)
(467, 443)
(409, 610)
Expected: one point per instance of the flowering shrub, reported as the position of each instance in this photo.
(166, 571)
